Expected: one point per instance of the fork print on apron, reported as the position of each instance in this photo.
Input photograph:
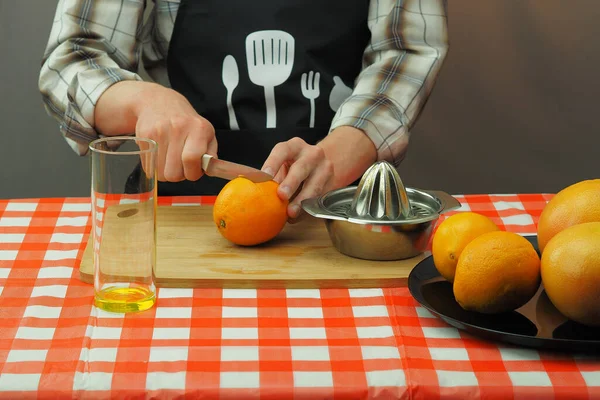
(263, 72)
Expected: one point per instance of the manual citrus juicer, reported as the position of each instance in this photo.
(380, 219)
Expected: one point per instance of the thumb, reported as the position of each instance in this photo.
(337, 80)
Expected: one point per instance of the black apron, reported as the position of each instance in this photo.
(269, 45)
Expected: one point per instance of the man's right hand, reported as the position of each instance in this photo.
(155, 112)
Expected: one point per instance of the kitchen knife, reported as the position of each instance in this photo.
(229, 170)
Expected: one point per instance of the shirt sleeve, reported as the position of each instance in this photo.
(409, 42)
(92, 45)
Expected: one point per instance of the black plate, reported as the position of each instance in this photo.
(537, 324)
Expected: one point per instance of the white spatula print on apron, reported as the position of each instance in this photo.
(270, 58)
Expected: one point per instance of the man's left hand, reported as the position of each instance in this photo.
(306, 171)
(302, 171)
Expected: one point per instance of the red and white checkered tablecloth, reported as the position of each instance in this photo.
(246, 344)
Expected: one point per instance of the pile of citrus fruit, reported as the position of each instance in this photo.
(494, 271)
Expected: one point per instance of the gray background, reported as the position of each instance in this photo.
(514, 109)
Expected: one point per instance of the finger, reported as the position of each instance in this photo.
(173, 164)
(160, 137)
(142, 132)
(301, 217)
(282, 153)
(147, 157)
(298, 217)
(293, 196)
(278, 156)
(281, 174)
(302, 166)
(199, 140)
(313, 186)
(143, 147)
(191, 157)
(298, 172)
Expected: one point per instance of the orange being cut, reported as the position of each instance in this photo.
(248, 213)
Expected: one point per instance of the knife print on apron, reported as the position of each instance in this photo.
(264, 72)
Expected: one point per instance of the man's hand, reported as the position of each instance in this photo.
(294, 163)
(163, 115)
(306, 171)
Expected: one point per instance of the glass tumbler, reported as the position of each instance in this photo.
(124, 198)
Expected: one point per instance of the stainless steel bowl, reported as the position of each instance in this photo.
(380, 219)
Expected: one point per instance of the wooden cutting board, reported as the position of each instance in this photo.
(191, 253)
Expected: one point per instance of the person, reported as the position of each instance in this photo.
(312, 92)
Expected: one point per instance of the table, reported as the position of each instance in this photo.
(246, 344)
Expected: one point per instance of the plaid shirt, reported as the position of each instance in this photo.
(97, 43)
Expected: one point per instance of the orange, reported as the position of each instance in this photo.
(573, 205)
(496, 272)
(248, 213)
(571, 272)
(451, 237)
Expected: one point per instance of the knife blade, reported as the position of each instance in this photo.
(229, 170)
